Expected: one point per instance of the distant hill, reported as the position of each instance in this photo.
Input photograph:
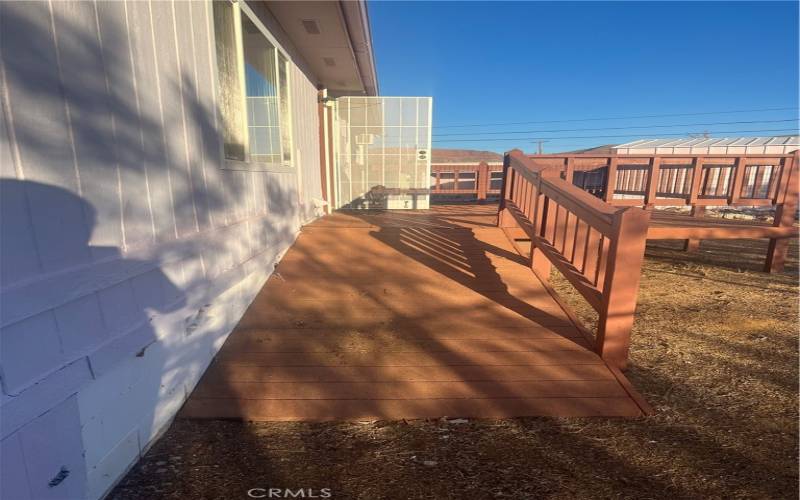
(463, 156)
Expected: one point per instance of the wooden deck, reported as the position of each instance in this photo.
(407, 314)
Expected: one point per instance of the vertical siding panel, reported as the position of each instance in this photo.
(8, 166)
(153, 154)
(136, 92)
(41, 128)
(214, 144)
(187, 87)
(34, 93)
(17, 245)
(83, 80)
(252, 180)
(203, 114)
(168, 75)
(136, 214)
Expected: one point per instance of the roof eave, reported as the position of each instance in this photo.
(356, 17)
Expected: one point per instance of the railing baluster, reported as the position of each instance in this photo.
(570, 169)
(482, 180)
(759, 181)
(591, 257)
(568, 249)
(602, 263)
(738, 176)
(581, 240)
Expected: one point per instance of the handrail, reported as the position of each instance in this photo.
(585, 238)
(696, 180)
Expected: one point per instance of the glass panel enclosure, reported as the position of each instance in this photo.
(383, 151)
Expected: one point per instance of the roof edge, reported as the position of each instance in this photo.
(356, 18)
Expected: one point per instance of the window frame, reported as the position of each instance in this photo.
(240, 9)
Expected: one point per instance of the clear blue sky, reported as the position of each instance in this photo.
(493, 62)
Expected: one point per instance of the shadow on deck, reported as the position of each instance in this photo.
(407, 314)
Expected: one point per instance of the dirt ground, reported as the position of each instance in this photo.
(715, 351)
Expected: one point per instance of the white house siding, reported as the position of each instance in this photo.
(128, 253)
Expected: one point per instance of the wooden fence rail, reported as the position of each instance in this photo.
(586, 239)
(669, 180)
(479, 179)
(697, 181)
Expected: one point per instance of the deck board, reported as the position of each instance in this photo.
(414, 314)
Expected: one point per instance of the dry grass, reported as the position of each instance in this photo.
(714, 351)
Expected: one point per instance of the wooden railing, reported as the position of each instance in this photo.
(669, 180)
(599, 248)
(698, 181)
(479, 179)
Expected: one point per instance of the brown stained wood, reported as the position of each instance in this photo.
(388, 334)
(625, 253)
(697, 179)
(653, 177)
(787, 165)
(668, 225)
(412, 358)
(602, 264)
(736, 185)
(691, 244)
(591, 257)
(615, 238)
(408, 314)
(220, 373)
(581, 283)
(561, 232)
(568, 247)
(328, 343)
(326, 409)
(581, 236)
(377, 391)
(569, 169)
(611, 179)
(784, 215)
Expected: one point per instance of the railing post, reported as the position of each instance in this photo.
(651, 187)
(621, 286)
(569, 172)
(504, 219)
(784, 216)
(738, 177)
(693, 245)
(482, 181)
(542, 218)
(611, 179)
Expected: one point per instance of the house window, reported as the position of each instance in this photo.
(254, 90)
(228, 76)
